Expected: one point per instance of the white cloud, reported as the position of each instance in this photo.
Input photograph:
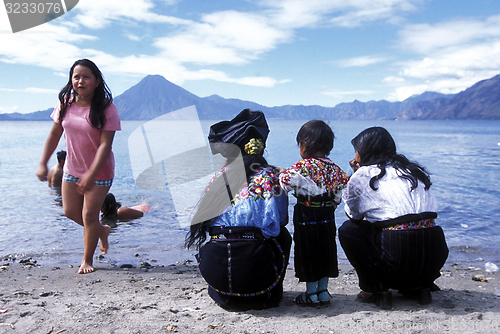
(247, 81)
(31, 90)
(347, 13)
(232, 37)
(227, 37)
(8, 110)
(457, 63)
(455, 55)
(133, 37)
(426, 38)
(393, 80)
(361, 61)
(47, 45)
(444, 86)
(343, 93)
(219, 38)
(97, 14)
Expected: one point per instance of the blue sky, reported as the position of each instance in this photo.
(273, 52)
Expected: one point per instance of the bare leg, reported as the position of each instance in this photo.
(93, 229)
(89, 206)
(105, 231)
(72, 202)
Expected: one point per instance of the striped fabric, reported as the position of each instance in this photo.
(394, 259)
(314, 235)
(74, 179)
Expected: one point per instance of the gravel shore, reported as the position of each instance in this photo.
(162, 299)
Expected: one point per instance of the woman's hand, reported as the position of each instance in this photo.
(354, 164)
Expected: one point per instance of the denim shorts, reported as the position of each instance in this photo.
(73, 179)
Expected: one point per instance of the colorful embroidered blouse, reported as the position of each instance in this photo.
(315, 176)
(259, 203)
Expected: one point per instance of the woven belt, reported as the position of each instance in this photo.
(325, 204)
(426, 223)
(237, 236)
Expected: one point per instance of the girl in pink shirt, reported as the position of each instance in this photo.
(89, 119)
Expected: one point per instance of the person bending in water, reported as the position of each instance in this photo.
(56, 172)
(111, 209)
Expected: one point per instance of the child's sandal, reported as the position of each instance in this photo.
(324, 300)
(305, 299)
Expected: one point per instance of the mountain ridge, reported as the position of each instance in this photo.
(154, 96)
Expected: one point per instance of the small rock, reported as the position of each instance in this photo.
(97, 280)
(490, 267)
(28, 261)
(46, 294)
(145, 265)
(126, 265)
(171, 328)
(479, 278)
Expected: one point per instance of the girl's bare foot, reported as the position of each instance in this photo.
(85, 268)
(105, 231)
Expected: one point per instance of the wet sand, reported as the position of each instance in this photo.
(162, 299)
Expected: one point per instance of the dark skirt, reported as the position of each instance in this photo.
(400, 259)
(314, 236)
(247, 273)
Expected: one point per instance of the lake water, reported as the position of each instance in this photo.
(462, 156)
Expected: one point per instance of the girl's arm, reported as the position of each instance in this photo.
(50, 146)
(87, 180)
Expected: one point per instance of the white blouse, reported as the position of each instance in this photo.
(392, 199)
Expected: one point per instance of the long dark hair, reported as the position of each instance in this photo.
(102, 96)
(317, 136)
(214, 201)
(110, 206)
(376, 146)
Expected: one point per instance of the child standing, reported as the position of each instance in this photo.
(89, 119)
(317, 183)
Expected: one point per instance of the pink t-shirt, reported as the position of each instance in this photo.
(82, 140)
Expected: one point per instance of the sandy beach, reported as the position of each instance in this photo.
(162, 299)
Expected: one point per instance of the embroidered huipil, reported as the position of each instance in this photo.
(315, 176)
(259, 203)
